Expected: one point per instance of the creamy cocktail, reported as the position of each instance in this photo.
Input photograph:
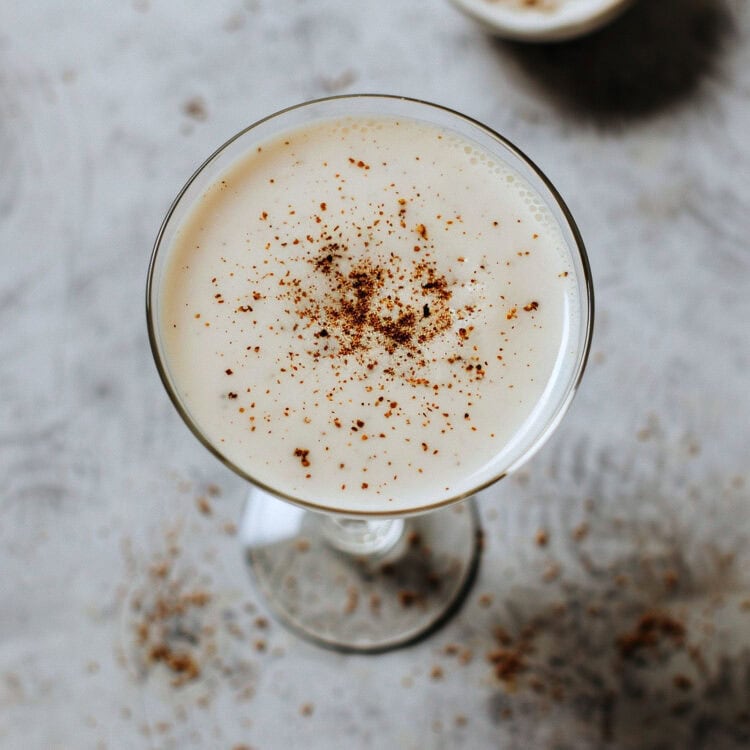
(364, 313)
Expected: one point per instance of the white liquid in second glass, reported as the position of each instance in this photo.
(367, 313)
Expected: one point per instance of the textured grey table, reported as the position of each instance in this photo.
(617, 563)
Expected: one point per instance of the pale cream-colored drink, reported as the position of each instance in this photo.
(369, 314)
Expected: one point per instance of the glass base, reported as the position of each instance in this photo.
(409, 578)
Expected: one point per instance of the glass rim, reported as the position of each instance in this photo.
(584, 346)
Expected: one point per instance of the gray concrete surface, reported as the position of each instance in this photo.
(642, 496)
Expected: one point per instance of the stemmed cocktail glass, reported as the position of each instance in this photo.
(372, 578)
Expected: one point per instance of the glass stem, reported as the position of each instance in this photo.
(361, 536)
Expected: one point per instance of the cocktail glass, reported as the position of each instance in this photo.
(368, 581)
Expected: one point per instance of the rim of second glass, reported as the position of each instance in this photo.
(587, 311)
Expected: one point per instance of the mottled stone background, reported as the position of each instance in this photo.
(642, 496)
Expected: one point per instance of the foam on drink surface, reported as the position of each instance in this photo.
(365, 313)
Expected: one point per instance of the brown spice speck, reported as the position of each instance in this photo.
(580, 532)
(180, 662)
(650, 630)
(302, 454)
(507, 663)
(408, 598)
(352, 601)
(195, 108)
